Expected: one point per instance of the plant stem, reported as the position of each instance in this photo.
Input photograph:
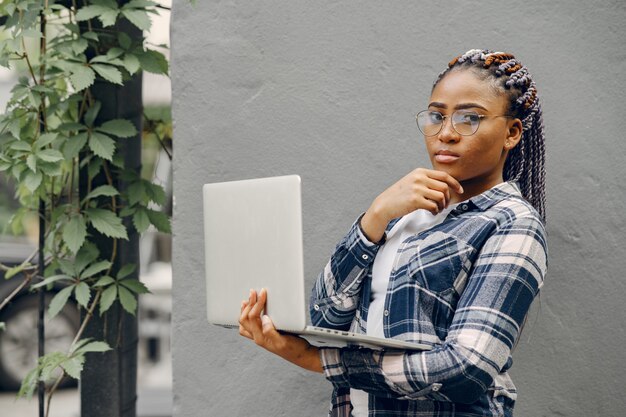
(19, 288)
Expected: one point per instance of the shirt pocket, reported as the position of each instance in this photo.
(439, 263)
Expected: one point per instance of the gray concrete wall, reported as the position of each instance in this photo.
(328, 90)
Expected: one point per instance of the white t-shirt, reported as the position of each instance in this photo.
(407, 226)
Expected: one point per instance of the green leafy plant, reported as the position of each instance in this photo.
(50, 132)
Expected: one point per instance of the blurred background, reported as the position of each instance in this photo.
(18, 343)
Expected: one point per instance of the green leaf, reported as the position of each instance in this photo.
(92, 113)
(135, 286)
(102, 145)
(45, 139)
(82, 293)
(49, 363)
(141, 220)
(73, 366)
(114, 53)
(95, 268)
(89, 12)
(58, 302)
(107, 223)
(51, 280)
(131, 63)
(74, 144)
(31, 161)
(160, 221)
(95, 165)
(50, 155)
(70, 126)
(82, 77)
(104, 281)
(128, 300)
(108, 18)
(75, 232)
(32, 180)
(109, 73)
(51, 169)
(20, 146)
(155, 192)
(68, 267)
(138, 18)
(127, 211)
(29, 383)
(108, 296)
(126, 270)
(79, 45)
(92, 36)
(106, 190)
(124, 40)
(153, 61)
(139, 4)
(92, 347)
(87, 254)
(119, 127)
(13, 271)
(136, 192)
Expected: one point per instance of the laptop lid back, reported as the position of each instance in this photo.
(253, 239)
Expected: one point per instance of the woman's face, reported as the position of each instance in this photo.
(480, 157)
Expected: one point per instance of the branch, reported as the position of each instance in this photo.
(16, 291)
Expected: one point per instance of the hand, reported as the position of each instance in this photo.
(421, 189)
(260, 328)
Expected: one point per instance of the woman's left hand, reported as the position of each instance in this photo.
(259, 327)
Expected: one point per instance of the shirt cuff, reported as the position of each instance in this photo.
(364, 238)
(334, 371)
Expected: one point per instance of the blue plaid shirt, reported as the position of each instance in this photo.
(463, 286)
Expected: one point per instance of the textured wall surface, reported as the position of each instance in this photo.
(328, 90)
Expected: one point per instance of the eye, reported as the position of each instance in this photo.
(435, 117)
(469, 118)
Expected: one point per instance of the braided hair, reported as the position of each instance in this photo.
(525, 163)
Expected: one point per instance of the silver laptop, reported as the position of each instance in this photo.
(253, 239)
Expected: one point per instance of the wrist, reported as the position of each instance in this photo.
(373, 224)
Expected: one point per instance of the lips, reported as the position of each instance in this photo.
(445, 156)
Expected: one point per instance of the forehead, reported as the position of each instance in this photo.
(464, 86)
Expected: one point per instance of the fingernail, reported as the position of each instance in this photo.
(265, 319)
(461, 190)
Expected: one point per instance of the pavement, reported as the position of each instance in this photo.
(154, 394)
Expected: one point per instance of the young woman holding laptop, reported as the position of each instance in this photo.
(450, 256)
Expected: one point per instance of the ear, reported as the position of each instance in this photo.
(513, 135)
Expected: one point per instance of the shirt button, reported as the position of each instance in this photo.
(386, 313)
(464, 207)
(316, 307)
(365, 256)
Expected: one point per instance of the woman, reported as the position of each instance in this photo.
(451, 256)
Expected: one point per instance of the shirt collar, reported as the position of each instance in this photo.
(495, 194)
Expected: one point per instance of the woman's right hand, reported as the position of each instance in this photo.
(421, 189)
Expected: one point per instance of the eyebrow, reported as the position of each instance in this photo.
(458, 106)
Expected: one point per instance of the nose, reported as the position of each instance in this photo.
(447, 133)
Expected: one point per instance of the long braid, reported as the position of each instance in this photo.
(525, 163)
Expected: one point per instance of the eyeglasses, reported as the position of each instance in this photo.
(464, 122)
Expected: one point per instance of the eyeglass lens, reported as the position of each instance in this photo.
(463, 121)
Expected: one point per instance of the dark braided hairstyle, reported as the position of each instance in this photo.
(525, 163)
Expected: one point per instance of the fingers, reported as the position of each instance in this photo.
(447, 178)
(250, 323)
(258, 304)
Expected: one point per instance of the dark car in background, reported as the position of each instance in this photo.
(18, 341)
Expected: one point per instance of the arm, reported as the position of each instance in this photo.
(335, 295)
(506, 277)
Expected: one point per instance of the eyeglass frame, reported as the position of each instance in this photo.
(480, 117)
